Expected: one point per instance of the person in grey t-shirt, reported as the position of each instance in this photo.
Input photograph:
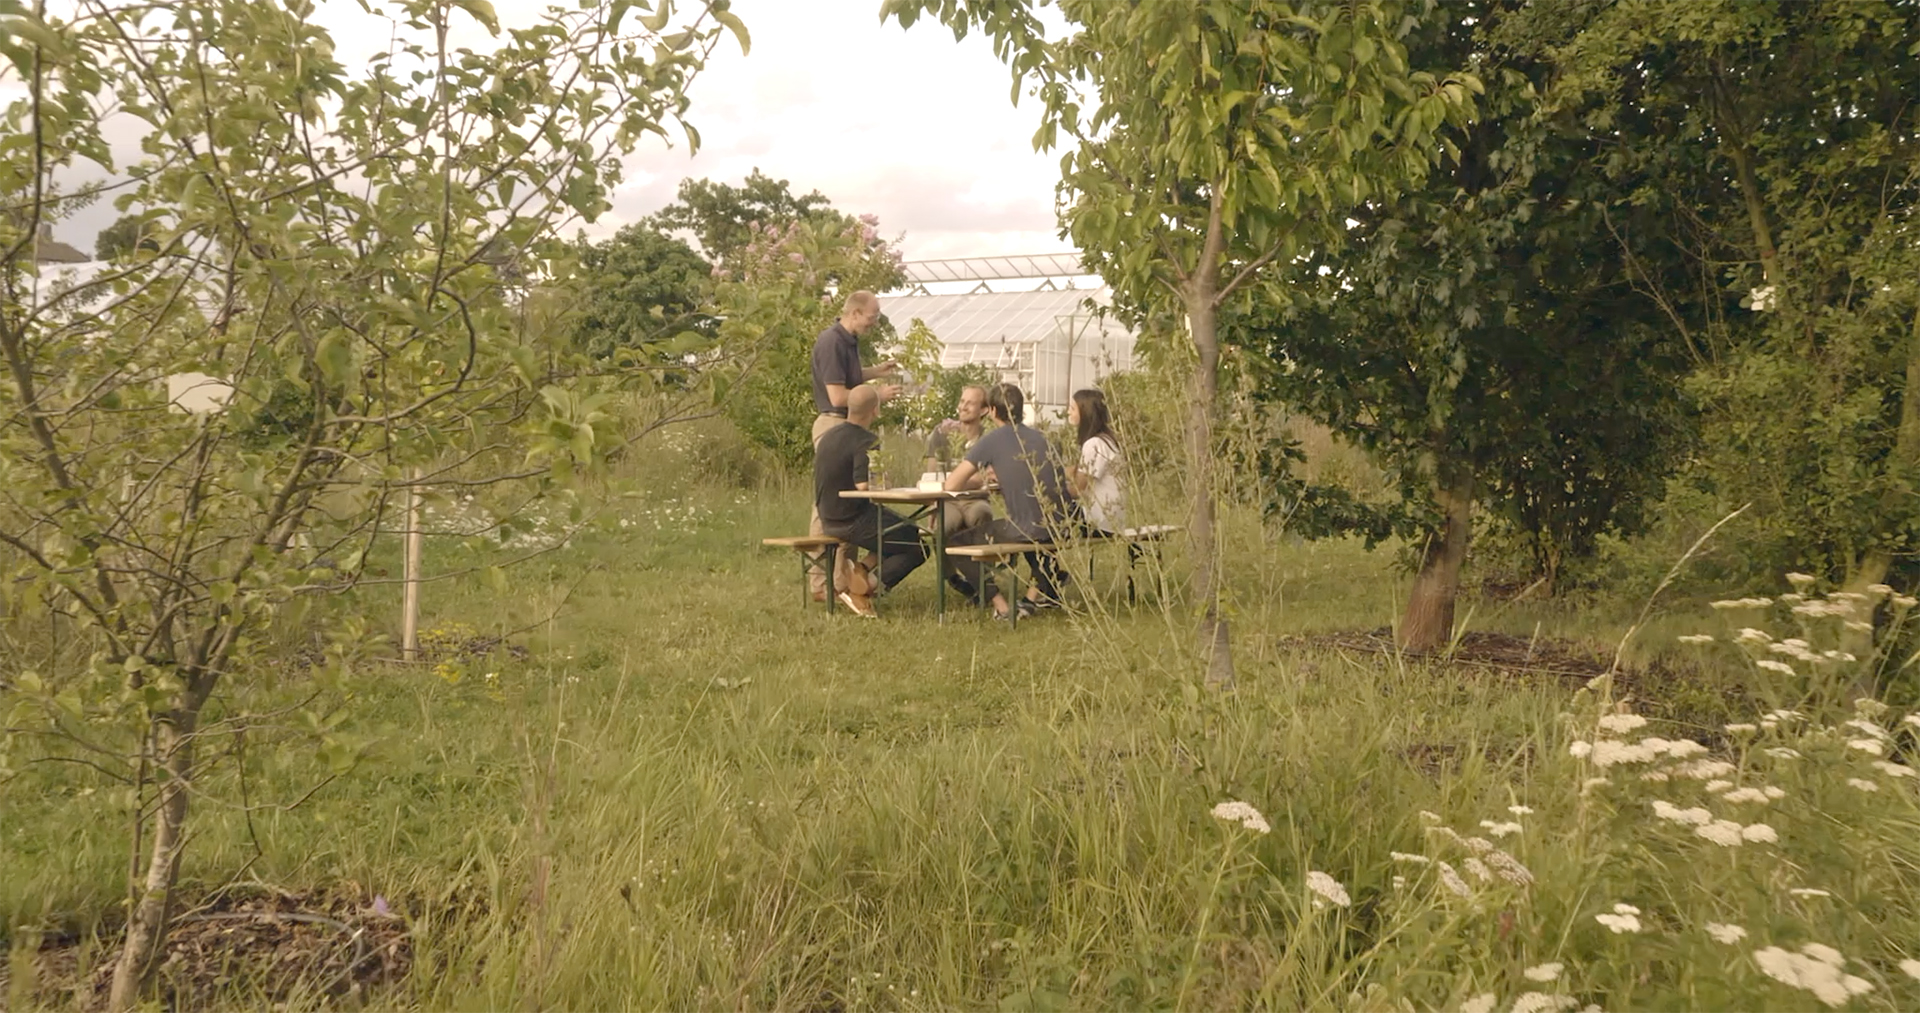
(1033, 485)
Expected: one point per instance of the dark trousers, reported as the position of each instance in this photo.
(902, 552)
(1048, 576)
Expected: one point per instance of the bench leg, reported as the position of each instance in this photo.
(1133, 556)
(832, 557)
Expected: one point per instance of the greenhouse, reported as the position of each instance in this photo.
(1041, 330)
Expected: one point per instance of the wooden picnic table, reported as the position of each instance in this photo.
(919, 503)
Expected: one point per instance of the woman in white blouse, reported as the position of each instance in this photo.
(1096, 481)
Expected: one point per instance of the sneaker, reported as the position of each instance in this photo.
(1027, 609)
(860, 580)
(859, 604)
(962, 586)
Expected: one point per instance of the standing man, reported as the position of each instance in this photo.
(836, 372)
(840, 465)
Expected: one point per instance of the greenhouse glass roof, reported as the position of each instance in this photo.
(977, 318)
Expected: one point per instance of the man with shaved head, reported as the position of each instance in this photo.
(839, 465)
(837, 372)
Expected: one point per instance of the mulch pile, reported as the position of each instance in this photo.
(262, 944)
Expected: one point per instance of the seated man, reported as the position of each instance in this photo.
(839, 465)
(953, 438)
(1034, 487)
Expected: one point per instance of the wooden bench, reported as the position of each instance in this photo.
(1133, 539)
(818, 553)
(1001, 555)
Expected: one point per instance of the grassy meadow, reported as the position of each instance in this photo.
(689, 792)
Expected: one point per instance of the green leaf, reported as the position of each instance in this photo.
(482, 12)
(736, 26)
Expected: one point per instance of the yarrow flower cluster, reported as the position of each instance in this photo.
(1329, 890)
(1724, 933)
(1243, 814)
(1818, 969)
(1623, 918)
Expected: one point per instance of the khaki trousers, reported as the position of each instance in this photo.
(959, 516)
(817, 581)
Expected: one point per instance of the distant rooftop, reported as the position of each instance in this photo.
(1052, 270)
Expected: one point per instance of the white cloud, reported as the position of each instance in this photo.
(906, 124)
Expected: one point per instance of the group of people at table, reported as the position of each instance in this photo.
(1044, 500)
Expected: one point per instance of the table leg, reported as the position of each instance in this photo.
(939, 515)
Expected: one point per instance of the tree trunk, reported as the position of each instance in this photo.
(147, 923)
(1212, 636)
(1429, 620)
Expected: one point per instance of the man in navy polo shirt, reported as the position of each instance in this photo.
(837, 370)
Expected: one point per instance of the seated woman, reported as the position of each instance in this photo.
(1096, 479)
(1033, 486)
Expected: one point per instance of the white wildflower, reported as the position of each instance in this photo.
(1478, 870)
(1328, 887)
(1824, 954)
(1621, 723)
(1401, 856)
(1593, 782)
(1399, 882)
(1681, 749)
(1619, 923)
(1718, 785)
(1724, 933)
(1911, 968)
(1904, 601)
(1759, 833)
(1846, 656)
(1808, 891)
(1859, 626)
(1479, 845)
(1579, 749)
(1509, 868)
(1863, 784)
(1544, 972)
(1911, 719)
(1482, 1003)
(1783, 714)
(1520, 810)
(1501, 829)
(1655, 745)
(1242, 813)
(1429, 817)
(1542, 1002)
(1746, 795)
(1703, 770)
(1741, 603)
(1668, 811)
(1742, 728)
(1452, 881)
(1801, 581)
(1783, 753)
(1609, 752)
(1870, 727)
(1696, 638)
(1893, 769)
(1625, 909)
(1880, 589)
(1749, 635)
(1816, 968)
(1775, 666)
(1867, 746)
(1774, 793)
(1725, 833)
(1656, 776)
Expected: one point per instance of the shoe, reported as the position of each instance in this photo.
(860, 580)
(1027, 609)
(962, 586)
(1006, 617)
(859, 604)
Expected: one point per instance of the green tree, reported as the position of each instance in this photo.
(639, 287)
(376, 275)
(724, 217)
(1226, 138)
(1484, 337)
(128, 233)
(779, 291)
(1781, 136)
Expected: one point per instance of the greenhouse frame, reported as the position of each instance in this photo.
(1050, 339)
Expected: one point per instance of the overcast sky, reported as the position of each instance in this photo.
(906, 124)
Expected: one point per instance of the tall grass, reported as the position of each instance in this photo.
(693, 795)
